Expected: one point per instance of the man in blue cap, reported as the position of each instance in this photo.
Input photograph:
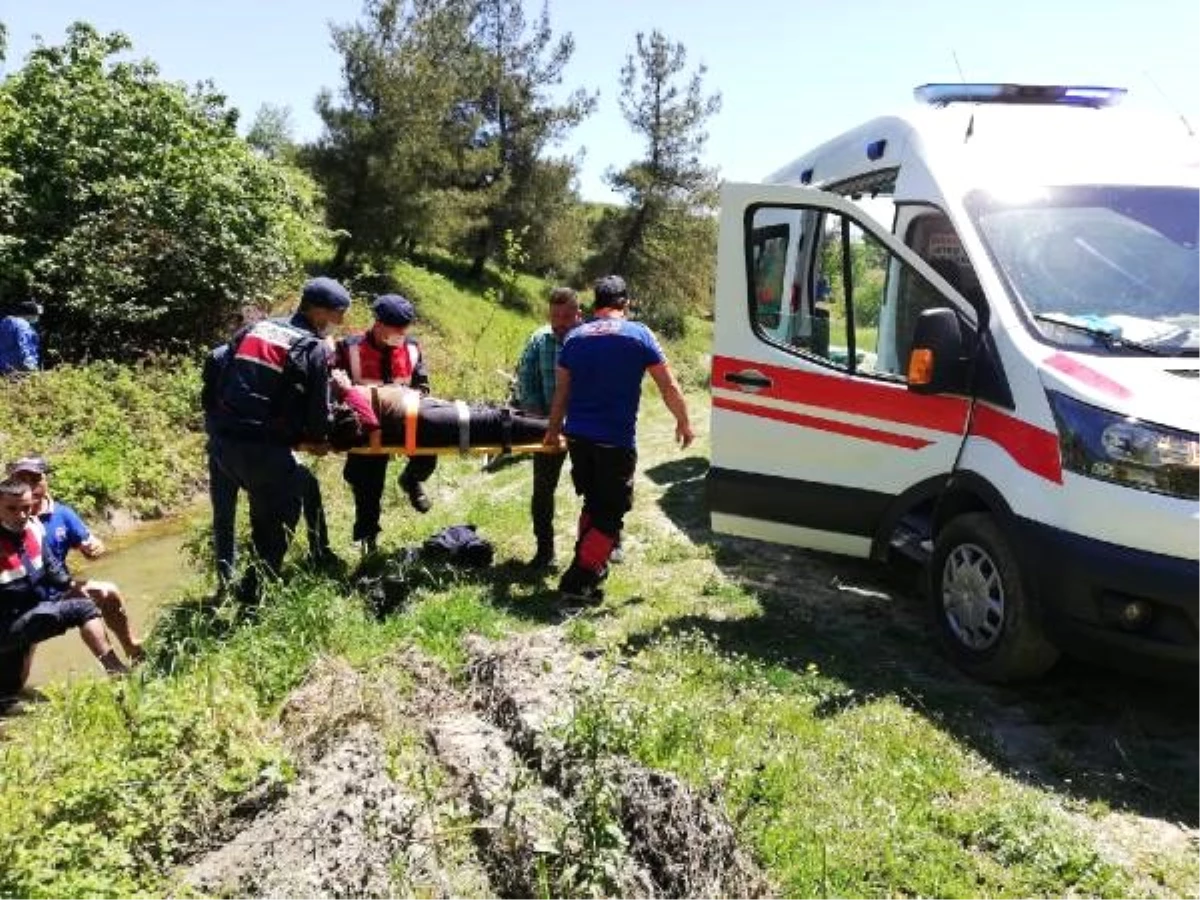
(597, 393)
(385, 354)
(271, 394)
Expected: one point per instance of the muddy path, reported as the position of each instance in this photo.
(413, 783)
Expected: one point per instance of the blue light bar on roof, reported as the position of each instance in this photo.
(1029, 94)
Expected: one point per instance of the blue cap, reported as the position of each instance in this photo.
(394, 310)
(325, 292)
(609, 291)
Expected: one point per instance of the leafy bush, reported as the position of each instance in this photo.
(139, 216)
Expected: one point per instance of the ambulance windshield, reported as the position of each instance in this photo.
(1106, 266)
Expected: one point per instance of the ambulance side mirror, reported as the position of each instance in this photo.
(937, 361)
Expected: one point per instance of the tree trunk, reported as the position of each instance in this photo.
(633, 239)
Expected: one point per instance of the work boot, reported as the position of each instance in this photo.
(578, 585)
(416, 495)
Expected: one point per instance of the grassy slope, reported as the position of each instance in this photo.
(877, 798)
(117, 436)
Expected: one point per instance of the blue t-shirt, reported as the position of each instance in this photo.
(19, 350)
(64, 530)
(607, 358)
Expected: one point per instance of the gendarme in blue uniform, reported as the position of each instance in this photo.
(607, 359)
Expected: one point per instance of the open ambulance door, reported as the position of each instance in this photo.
(817, 439)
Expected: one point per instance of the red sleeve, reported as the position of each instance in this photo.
(358, 401)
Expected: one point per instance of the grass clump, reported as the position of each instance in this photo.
(118, 436)
(873, 800)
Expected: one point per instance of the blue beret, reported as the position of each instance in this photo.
(325, 292)
(394, 310)
(609, 291)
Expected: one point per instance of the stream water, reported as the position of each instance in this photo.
(148, 564)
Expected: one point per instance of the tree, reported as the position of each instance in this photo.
(664, 242)
(139, 217)
(519, 122)
(399, 152)
(271, 132)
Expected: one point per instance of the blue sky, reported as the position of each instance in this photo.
(792, 73)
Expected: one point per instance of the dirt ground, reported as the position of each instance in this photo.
(346, 828)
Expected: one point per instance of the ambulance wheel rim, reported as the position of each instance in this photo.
(973, 597)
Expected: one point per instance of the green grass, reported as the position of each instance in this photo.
(845, 773)
(117, 436)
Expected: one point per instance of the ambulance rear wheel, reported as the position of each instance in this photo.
(984, 617)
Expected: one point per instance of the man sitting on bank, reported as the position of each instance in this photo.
(65, 531)
(38, 599)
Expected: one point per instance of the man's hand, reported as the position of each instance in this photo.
(340, 382)
(683, 434)
(553, 439)
(92, 547)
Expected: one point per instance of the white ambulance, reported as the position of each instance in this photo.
(1001, 384)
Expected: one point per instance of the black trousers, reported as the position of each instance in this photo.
(603, 476)
(366, 476)
(547, 469)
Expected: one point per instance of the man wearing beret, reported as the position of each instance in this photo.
(271, 394)
(385, 354)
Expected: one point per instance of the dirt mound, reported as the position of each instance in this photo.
(334, 835)
(488, 797)
(677, 840)
(345, 828)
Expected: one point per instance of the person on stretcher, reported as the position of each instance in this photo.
(359, 411)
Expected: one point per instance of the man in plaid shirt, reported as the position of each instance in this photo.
(535, 390)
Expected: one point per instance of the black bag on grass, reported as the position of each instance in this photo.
(459, 545)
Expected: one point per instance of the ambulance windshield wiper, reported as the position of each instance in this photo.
(1105, 336)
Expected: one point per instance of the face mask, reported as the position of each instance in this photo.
(325, 330)
(395, 340)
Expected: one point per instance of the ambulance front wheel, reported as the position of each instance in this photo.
(983, 614)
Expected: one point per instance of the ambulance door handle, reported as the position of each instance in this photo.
(750, 378)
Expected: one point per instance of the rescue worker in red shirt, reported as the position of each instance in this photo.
(385, 354)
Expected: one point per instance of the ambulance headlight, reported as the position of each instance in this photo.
(1110, 447)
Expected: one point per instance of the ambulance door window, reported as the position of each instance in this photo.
(823, 287)
(777, 244)
(934, 239)
(850, 278)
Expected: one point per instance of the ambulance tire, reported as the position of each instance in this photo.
(984, 617)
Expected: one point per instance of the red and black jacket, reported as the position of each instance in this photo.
(369, 363)
(273, 386)
(28, 575)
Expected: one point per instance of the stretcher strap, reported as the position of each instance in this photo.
(464, 426)
(375, 439)
(506, 429)
(412, 406)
